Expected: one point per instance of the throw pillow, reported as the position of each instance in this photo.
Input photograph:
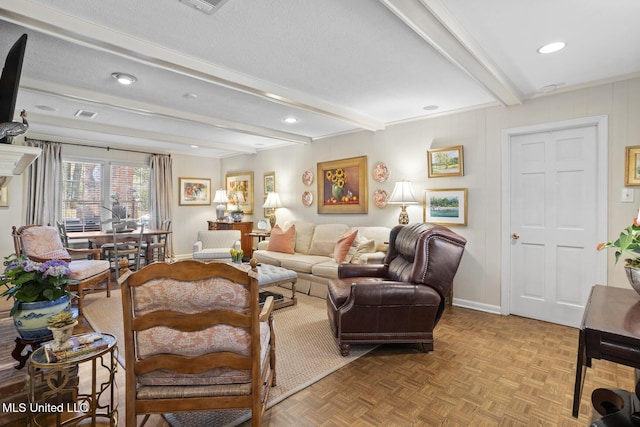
(366, 247)
(282, 241)
(343, 245)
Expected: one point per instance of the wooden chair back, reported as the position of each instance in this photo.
(229, 362)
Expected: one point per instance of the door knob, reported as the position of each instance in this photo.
(515, 236)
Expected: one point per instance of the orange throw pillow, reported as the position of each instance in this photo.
(282, 241)
(343, 245)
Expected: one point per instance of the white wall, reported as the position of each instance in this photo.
(403, 147)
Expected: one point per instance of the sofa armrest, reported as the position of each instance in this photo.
(362, 270)
(197, 246)
(263, 245)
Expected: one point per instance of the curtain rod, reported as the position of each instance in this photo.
(109, 148)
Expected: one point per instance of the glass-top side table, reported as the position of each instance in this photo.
(97, 403)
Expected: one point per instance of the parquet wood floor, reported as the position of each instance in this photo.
(487, 370)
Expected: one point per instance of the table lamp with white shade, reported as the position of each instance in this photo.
(220, 198)
(273, 203)
(403, 195)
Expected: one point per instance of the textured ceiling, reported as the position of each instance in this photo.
(337, 66)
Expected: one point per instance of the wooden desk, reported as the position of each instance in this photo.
(98, 238)
(610, 330)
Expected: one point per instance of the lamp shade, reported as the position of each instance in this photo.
(273, 201)
(402, 194)
(220, 197)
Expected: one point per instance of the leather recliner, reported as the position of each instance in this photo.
(401, 300)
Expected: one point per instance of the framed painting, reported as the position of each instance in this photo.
(443, 162)
(632, 166)
(194, 191)
(446, 206)
(342, 186)
(269, 187)
(4, 196)
(240, 192)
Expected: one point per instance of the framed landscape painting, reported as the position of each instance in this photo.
(240, 191)
(443, 162)
(342, 186)
(445, 207)
(194, 191)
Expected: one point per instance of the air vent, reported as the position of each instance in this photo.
(85, 114)
(205, 6)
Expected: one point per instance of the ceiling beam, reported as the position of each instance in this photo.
(433, 22)
(52, 22)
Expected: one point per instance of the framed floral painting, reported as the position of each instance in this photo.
(240, 192)
(194, 191)
(269, 187)
(342, 186)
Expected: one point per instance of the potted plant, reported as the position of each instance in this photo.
(61, 326)
(628, 244)
(39, 291)
(236, 255)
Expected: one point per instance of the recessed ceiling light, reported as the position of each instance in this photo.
(430, 107)
(552, 47)
(124, 79)
(190, 95)
(195, 146)
(290, 120)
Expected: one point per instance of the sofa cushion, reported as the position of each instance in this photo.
(322, 247)
(282, 241)
(377, 233)
(328, 269)
(270, 257)
(302, 263)
(342, 246)
(213, 253)
(304, 234)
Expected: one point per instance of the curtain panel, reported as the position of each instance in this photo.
(161, 194)
(44, 183)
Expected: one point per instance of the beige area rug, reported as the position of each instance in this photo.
(305, 351)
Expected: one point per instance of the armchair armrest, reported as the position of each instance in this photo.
(362, 270)
(267, 308)
(197, 246)
(392, 293)
(237, 245)
(97, 253)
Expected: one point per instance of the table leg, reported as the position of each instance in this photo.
(577, 392)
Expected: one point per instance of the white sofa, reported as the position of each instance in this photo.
(216, 245)
(314, 245)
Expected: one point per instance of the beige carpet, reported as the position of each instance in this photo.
(305, 351)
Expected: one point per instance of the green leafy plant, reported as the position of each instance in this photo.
(30, 281)
(628, 243)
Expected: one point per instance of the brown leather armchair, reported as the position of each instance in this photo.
(401, 300)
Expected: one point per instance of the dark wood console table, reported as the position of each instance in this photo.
(610, 330)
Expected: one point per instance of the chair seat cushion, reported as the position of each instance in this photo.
(164, 337)
(82, 269)
(213, 253)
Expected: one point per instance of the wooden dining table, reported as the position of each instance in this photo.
(98, 238)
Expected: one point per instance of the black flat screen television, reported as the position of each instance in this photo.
(10, 80)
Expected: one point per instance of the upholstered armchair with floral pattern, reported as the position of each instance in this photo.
(42, 243)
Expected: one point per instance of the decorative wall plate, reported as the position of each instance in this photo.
(307, 178)
(380, 198)
(262, 224)
(307, 198)
(381, 172)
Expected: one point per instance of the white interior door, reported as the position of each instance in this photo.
(553, 223)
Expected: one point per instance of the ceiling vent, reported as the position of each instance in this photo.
(205, 6)
(85, 114)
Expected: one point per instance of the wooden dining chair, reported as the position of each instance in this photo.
(127, 249)
(42, 243)
(195, 339)
(157, 249)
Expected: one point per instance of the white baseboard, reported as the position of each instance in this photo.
(476, 306)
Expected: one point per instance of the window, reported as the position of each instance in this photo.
(81, 195)
(129, 192)
(90, 189)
